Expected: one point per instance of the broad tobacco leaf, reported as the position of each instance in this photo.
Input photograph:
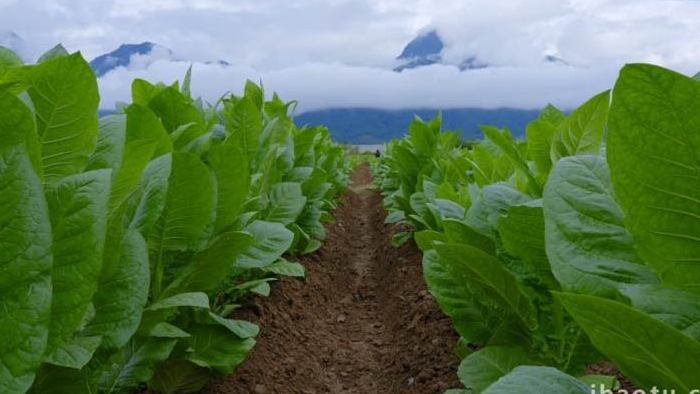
(25, 250)
(653, 155)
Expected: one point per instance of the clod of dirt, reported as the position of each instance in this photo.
(385, 343)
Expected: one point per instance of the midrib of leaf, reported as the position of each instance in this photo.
(649, 356)
(515, 308)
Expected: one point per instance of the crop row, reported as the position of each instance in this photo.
(579, 244)
(126, 241)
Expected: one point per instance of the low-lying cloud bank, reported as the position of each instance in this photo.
(339, 53)
(318, 85)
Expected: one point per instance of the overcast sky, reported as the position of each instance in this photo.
(331, 53)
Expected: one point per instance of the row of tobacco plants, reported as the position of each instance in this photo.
(126, 241)
(578, 244)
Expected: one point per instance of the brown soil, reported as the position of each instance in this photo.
(362, 322)
(608, 368)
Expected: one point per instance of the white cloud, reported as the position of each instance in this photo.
(141, 62)
(323, 85)
(137, 8)
(338, 52)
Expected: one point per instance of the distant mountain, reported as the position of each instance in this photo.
(423, 50)
(125, 55)
(426, 49)
(138, 56)
(376, 126)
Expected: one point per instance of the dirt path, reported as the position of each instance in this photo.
(362, 323)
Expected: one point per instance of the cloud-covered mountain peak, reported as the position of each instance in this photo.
(131, 56)
(140, 57)
(426, 49)
(428, 44)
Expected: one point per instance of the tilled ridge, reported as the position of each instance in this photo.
(362, 323)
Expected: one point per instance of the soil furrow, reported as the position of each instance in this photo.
(362, 323)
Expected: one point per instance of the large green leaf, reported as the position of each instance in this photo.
(176, 111)
(538, 380)
(648, 351)
(444, 209)
(286, 268)
(423, 136)
(187, 83)
(485, 275)
(152, 194)
(76, 352)
(423, 218)
(304, 143)
(25, 252)
(481, 369)
(489, 204)
(271, 240)
(425, 239)
(539, 135)
(317, 186)
(217, 348)
(487, 166)
(230, 167)
(654, 165)
(286, 203)
(135, 364)
(65, 98)
(212, 265)
(167, 330)
(143, 91)
(78, 209)
(503, 139)
(189, 208)
(522, 233)
(144, 137)
(244, 123)
(582, 132)
(192, 300)
(454, 297)
(109, 150)
(255, 93)
(407, 165)
(243, 329)
(459, 232)
(588, 246)
(677, 308)
(122, 292)
(180, 376)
